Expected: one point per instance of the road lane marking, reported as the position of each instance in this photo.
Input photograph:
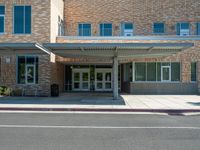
(94, 127)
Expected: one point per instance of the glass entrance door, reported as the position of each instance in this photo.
(103, 80)
(81, 79)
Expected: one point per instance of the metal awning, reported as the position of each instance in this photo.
(121, 50)
(22, 46)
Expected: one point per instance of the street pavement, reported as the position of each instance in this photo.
(65, 131)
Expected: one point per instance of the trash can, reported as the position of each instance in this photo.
(54, 90)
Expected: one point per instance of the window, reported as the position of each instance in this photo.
(150, 71)
(106, 29)
(183, 29)
(2, 18)
(198, 28)
(127, 29)
(159, 28)
(140, 71)
(22, 19)
(84, 29)
(27, 70)
(194, 71)
(60, 27)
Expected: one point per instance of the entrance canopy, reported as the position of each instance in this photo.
(120, 50)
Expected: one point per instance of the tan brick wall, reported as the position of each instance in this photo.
(141, 12)
(9, 79)
(40, 21)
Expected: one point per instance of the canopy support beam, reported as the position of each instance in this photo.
(115, 78)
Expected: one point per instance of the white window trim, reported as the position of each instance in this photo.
(166, 67)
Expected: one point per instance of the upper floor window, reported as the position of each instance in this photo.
(84, 29)
(60, 26)
(106, 29)
(22, 19)
(2, 18)
(198, 28)
(158, 28)
(127, 29)
(183, 28)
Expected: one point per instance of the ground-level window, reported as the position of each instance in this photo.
(158, 28)
(127, 29)
(157, 71)
(198, 28)
(27, 70)
(183, 28)
(193, 71)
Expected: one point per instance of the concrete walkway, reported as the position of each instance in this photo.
(104, 102)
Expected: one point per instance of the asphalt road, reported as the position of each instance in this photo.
(98, 132)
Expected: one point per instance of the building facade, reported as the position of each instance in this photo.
(132, 46)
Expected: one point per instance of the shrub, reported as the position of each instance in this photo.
(5, 91)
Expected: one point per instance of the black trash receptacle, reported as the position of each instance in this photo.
(54, 90)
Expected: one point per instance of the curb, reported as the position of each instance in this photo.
(169, 111)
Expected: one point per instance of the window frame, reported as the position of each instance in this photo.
(198, 28)
(13, 20)
(3, 15)
(36, 66)
(104, 28)
(164, 27)
(80, 23)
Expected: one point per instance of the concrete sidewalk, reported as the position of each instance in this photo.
(104, 102)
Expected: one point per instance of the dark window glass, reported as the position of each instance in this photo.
(158, 71)
(158, 28)
(128, 26)
(106, 29)
(140, 71)
(22, 19)
(1, 24)
(84, 29)
(21, 69)
(27, 19)
(2, 10)
(175, 71)
(193, 71)
(151, 71)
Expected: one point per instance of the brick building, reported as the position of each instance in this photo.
(133, 46)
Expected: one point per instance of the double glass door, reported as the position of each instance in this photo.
(103, 79)
(81, 80)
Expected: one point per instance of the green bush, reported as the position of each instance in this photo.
(5, 91)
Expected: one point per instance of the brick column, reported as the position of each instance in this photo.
(185, 71)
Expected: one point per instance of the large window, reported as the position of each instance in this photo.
(193, 71)
(22, 19)
(159, 28)
(161, 72)
(183, 28)
(27, 70)
(106, 29)
(2, 19)
(84, 29)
